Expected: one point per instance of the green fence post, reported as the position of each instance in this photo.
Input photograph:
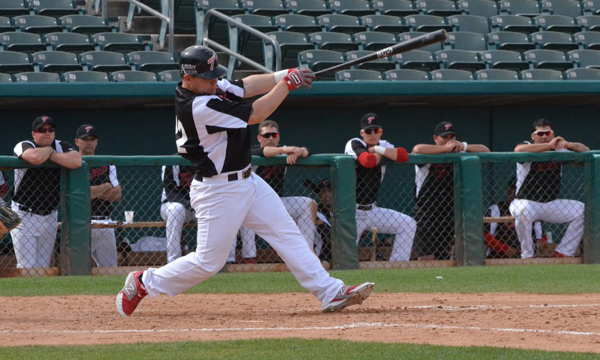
(75, 234)
(343, 208)
(468, 217)
(591, 231)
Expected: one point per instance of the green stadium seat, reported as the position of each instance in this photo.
(588, 39)
(358, 75)
(54, 8)
(547, 59)
(426, 23)
(4, 78)
(85, 76)
(405, 75)
(104, 61)
(541, 74)
(588, 22)
(529, 8)
(340, 23)
(36, 77)
(459, 60)
(37, 24)
(242, 42)
(416, 60)
(297, 23)
(307, 7)
(470, 23)
(561, 7)
(119, 42)
(411, 35)
(557, 23)
(14, 62)
(351, 7)
(582, 74)
(152, 61)
(585, 58)
(552, 40)
(380, 65)
(504, 59)
(384, 23)
(590, 7)
(332, 41)
(463, 40)
(319, 60)
(451, 75)
(169, 76)
(514, 23)
(370, 40)
(22, 42)
(395, 7)
(56, 61)
(69, 42)
(264, 7)
(484, 8)
(218, 30)
(132, 76)
(437, 7)
(496, 75)
(13, 8)
(508, 40)
(290, 44)
(6, 24)
(85, 24)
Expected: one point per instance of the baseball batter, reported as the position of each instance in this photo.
(538, 187)
(368, 151)
(212, 132)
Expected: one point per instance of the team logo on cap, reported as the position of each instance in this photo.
(44, 119)
(211, 62)
(448, 126)
(88, 129)
(370, 119)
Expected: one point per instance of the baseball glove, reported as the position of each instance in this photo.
(8, 220)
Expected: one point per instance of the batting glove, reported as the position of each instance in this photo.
(299, 77)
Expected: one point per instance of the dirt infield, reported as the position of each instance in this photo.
(548, 322)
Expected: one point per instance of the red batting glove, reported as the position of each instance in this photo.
(293, 79)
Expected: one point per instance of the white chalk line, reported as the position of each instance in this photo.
(320, 328)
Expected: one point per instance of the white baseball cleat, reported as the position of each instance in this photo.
(348, 296)
(133, 292)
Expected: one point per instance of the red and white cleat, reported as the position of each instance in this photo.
(133, 292)
(348, 296)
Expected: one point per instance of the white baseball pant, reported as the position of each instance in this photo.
(526, 212)
(221, 208)
(104, 245)
(176, 215)
(389, 221)
(33, 240)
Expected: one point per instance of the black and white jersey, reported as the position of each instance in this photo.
(98, 176)
(368, 181)
(539, 181)
(272, 175)
(434, 187)
(38, 189)
(211, 130)
(176, 184)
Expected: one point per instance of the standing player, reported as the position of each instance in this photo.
(212, 132)
(104, 189)
(538, 187)
(368, 152)
(36, 194)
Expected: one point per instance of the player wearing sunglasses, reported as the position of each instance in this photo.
(368, 152)
(36, 194)
(538, 187)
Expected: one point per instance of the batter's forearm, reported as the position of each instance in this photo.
(258, 84)
(266, 105)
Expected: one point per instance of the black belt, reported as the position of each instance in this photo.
(36, 211)
(364, 207)
(231, 177)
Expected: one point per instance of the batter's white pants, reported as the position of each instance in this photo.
(221, 208)
(176, 215)
(299, 209)
(104, 245)
(33, 240)
(526, 212)
(389, 221)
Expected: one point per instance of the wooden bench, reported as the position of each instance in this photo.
(498, 219)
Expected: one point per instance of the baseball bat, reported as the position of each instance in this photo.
(375, 241)
(408, 45)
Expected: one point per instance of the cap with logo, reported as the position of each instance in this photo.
(444, 128)
(41, 120)
(370, 120)
(200, 61)
(85, 131)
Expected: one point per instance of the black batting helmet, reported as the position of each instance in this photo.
(200, 61)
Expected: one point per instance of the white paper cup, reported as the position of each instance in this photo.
(128, 216)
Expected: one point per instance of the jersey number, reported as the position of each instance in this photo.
(180, 136)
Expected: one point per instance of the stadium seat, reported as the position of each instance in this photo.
(484, 8)
(56, 61)
(470, 23)
(370, 40)
(451, 75)
(333, 41)
(351, 7)
(37, 24)
(152, 61)
(218, 29)
(437, 7)
(264, 7)
(132, 76)
(514, 23)
(588, 39)
(297, 23)
(380, 65)
(307, 7)
(384, 23)
(6, 24)
(508, 40)
(395, 7)
(13, 8)
(243, 42)
(541, 74)
(582, 74)
(411, 35)
(259, 22)
(504, 59)
(85, 24)
(85, 76)
(547, 59)
(54, 8)
(463, 40)
(358, 75)
(22, 42)
(104, 61)
(556, 23)
(426, 23)
(4, 78)
(416, 60)
(69, 42)
(590, 7)
(14, 62)
(340, 23)
(496, 75)
(529, 8)
(589, 22)
(319, 60)
(43, 77)
(585, 58)
(552, 40)
(405, 75)
(561, 7)
(169, 76)
(459, 59)
(118, 42)
(290, 44)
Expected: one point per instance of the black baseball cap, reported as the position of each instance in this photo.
(41, 120)
(370, 120)
(85, 131)
(318, 187)
(444, 128)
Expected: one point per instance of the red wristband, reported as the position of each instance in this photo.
(367, 160)
(401, 155)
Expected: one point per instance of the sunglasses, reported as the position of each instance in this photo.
(543, 132)
(273, 135)
(43, 131)
(372, 131)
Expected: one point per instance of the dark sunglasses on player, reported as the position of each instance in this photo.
(372, 131)
(270, 135)
(43, 130)
(543, 132)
